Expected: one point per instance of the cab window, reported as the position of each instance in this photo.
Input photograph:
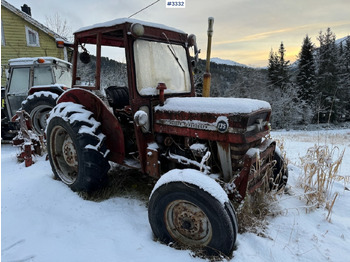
(19, 81)
(42, 76)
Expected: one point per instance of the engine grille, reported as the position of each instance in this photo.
(237, 153)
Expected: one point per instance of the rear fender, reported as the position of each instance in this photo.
(109, 123)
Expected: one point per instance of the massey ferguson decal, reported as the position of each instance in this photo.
(220, 125)
(195, 124)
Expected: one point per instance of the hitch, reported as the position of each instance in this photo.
(29, 142)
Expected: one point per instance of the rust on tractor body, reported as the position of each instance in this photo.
(188, 223)
(204, 126)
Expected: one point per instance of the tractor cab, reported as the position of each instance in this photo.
(154, 54)
(158, 67)
(29, 75)
(28, 72)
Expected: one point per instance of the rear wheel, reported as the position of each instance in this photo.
(76, 147)
(190, 216)
(38, 106)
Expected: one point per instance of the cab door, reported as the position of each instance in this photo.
(17, 89)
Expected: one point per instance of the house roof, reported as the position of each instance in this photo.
(30, 20)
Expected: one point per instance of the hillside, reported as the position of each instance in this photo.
(220, 61)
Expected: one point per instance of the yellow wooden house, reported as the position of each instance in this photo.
(23, 36)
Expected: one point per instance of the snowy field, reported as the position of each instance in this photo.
(42, 220)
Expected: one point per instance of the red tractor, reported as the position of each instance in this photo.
(204, 151)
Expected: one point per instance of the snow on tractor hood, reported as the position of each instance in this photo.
(214, 105)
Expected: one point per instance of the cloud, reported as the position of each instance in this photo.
(258, 36)
(282, 31)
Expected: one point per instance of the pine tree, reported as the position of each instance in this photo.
(306, 78)
(343, 65)
(306, 81)
(346, 78)
(347, 55)
(278, 68)
(327, 77)
(273, 68)
(283, 66)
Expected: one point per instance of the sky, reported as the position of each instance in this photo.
(245, 31)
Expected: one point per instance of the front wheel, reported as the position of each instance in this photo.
(184, 213)
(76, 147)
(280, 172)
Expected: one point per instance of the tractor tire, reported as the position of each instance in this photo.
(280, 172)
(76, 147)
(193, 218)
(38, 106)
(117, 96)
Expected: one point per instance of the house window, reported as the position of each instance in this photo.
(32, 37)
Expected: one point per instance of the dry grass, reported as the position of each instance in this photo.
(252, 213)
(254, 210)
(123, 182)
(320, 169)
(318, 137)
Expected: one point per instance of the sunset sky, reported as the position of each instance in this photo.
(244, 30)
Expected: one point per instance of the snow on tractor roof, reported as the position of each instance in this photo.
(35, 60)
(218, 105)
(120, 21)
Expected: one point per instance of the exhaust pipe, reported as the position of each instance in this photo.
(207, 75)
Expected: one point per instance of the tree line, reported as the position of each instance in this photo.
(314, 89)
(318, 84)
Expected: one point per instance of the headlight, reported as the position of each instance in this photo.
(137, 30)
(141, 118)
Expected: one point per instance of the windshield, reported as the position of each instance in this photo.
(63, 75)
(161, 63)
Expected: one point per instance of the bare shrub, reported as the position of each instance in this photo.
(254, 210)
(321, 168)
(252, 213)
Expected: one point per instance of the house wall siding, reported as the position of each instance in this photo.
(16, 43)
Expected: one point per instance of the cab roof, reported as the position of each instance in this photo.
(116, 32)
(25, 61)
(121, 21)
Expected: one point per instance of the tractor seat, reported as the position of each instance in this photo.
(117, 96)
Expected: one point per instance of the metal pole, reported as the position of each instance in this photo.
(98, 62)
(207, 75)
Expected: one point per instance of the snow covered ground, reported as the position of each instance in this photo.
(42, 220)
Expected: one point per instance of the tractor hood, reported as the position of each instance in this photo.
(235, 120)
(215, 105)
